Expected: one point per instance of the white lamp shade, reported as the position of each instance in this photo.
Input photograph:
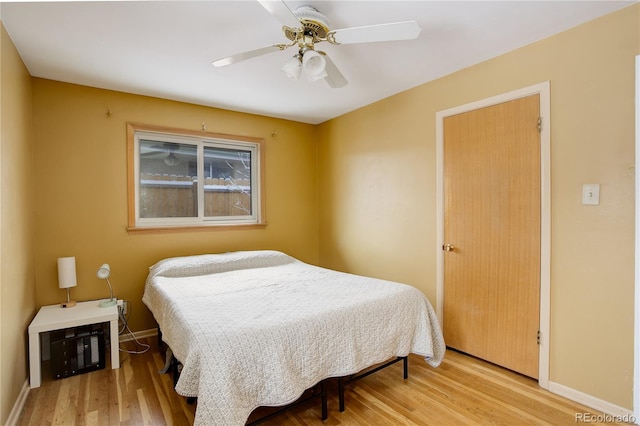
(293, 67)
(314, 65)
(104, 271)
(67, 272)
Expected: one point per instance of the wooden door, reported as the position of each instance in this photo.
(492, 233)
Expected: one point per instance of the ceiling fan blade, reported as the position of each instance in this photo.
(334, 77)
(281, 12)
(247, 55)
(406, 30)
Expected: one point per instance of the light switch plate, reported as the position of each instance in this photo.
(591, 194)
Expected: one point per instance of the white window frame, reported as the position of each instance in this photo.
(200, 140)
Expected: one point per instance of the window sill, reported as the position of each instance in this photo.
(196, 228)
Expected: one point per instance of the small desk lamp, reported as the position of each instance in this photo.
(67, 277)
(103, 273)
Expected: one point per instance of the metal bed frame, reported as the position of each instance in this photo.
(345, 380)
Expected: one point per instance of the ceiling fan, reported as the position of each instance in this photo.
(305, 27)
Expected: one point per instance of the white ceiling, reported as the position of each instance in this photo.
(165, 48)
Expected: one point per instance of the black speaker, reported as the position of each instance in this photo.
(77, 350)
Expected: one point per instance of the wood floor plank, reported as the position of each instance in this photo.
(462, 391)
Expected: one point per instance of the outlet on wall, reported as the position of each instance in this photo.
(123, 307)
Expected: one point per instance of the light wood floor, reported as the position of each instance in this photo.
(462, 391)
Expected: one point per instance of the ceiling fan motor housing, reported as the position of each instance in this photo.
(314, 24)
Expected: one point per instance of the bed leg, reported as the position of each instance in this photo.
(341, 393)
(323, 390)
(405, 361)
(159, 337)
(175, 372)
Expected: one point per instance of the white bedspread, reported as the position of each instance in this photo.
(258, 328)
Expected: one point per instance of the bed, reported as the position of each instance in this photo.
(258, 328)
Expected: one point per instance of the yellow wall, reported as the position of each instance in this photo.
(17, 298)
(81, 179)
(378, 190)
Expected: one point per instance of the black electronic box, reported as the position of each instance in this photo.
(77, 350)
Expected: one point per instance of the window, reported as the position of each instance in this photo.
(180, 178)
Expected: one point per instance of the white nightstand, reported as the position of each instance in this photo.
(53, 317)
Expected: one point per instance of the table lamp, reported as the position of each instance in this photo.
(103, 273)
(67, 277)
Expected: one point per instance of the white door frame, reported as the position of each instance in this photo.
(543, 89)
(636, 351)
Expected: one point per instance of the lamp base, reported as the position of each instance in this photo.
(107, 303)
(68, 304)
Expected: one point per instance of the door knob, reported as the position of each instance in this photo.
(448, 247)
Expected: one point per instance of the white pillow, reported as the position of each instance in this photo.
(206, 264)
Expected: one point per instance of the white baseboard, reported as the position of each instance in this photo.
(126, 336)
(14, 415)
(616, 413)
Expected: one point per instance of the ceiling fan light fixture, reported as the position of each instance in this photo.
(314, 65)
(315, 77)
(293, 67)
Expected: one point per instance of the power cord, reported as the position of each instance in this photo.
(125, 327)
